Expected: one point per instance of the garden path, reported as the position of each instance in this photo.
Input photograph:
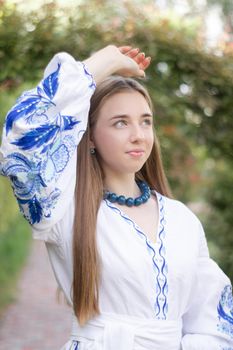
(35, 321)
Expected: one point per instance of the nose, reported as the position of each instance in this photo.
(137, 133)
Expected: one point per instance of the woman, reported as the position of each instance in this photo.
(133, 263)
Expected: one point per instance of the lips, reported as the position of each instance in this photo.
(136, 152)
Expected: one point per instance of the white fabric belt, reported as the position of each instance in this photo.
(121, 332)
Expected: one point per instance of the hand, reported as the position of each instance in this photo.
(125, 61)
(142, 62)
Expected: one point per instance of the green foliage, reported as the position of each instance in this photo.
(220, 220)
(8, 96)
(14, 245)
(14, 230)
(8, 205)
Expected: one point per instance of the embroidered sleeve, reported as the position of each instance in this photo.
(208, 323)
(40, 137)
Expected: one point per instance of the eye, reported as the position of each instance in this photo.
(120, 123)
(147, 121)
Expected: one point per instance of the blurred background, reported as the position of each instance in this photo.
(190, 80)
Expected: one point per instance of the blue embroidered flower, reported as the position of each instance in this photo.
(24, 174)
(34, 209)
(34, 103)
(45, 135)
(31, 209)
(57, 158)
(37, 137)
(225, 312)
(27, 182)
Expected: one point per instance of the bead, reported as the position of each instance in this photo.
(121, 200)
(144, 188)
(138, 201)
(144, 198)
(112, 197)
(129, 202)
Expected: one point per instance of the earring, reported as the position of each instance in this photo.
(92, 151)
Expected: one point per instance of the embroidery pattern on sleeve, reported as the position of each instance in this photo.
(225, 312)
(49, 145)
(158, 258)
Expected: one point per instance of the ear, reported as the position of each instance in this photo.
(91, 139)
(91, 144)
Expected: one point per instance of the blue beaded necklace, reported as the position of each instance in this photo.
(130, 202)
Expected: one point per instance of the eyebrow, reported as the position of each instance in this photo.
(126, 116)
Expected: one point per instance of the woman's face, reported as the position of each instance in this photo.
(123, 133)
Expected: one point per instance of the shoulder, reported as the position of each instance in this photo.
(178, 212)
(182, 226)
(178, 207)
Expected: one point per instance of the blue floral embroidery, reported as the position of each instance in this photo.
(45, 135)
(34, 104)
(225, 312)
(90, 77)
(76, 345)
(158, 258)
(24, 174)
(27, 182)
(49, 146)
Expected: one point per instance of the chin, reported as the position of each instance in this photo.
(134, 169)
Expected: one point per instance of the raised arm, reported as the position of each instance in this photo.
(44, 127)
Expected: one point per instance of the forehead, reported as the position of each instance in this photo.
(127, 102)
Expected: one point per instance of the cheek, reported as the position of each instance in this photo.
(106, 141)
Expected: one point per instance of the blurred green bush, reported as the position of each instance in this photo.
(15, 233)
(14, 246)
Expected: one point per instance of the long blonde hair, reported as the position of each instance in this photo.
(89, 193)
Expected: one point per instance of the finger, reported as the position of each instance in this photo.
(145, 63)
(139, 57)
(141, 73)
(124, 49)
(132, 53)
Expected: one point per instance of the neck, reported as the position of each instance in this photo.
(122, 185)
